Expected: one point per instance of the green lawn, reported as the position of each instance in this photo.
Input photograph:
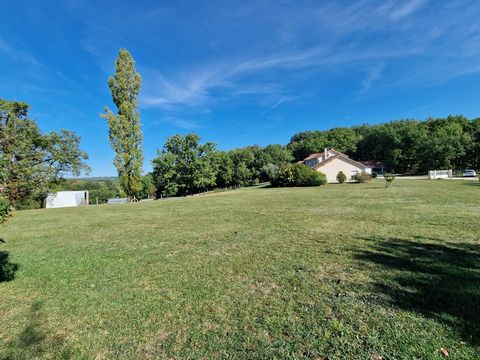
(352, 271)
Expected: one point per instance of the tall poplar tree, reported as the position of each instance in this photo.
(124, 128)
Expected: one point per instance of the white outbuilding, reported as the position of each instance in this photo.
(66, 199)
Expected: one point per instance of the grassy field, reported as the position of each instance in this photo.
(352, 271)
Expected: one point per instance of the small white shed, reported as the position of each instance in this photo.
(66, 199)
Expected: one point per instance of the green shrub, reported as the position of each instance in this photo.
(32, 202)
(388, 179)
(374, 174)
(362, 177)
(268, 172)
(4, 209)
(298, 175)
(341, 177)
(283, 177)
(306, 176)
(7, 268)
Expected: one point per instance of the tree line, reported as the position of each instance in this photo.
(403, 146)
(185, 166)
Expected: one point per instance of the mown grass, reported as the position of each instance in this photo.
(352, 271)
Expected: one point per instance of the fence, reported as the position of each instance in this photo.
(117, 201)
(440, 174)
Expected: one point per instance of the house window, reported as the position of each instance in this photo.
(353, 173)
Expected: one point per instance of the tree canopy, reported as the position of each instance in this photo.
(185, 166)
(410, 146)
(31, 161)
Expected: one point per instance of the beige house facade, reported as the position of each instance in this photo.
(331, 162)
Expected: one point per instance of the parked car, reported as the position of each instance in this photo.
(469, 173)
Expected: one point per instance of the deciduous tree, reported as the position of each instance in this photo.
(32, 161)
(185, 166)
(124, 128)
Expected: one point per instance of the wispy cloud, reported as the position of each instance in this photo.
(279, 101)
(195, 87)
(165, 93)
(186, 124)
(6, 48)
(36, 73)
(420, 108)
(361, 38)
(406, 9)
(373, 74)
(161, 11)
(19, 55)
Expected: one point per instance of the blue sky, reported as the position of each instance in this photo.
(240, 72)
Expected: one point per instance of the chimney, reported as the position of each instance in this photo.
(325, 154)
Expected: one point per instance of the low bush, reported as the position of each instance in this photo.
(283, 177)
(298, 175)
(374, 174)
(7, 268)
(341, 177)
(268, 172)
(362, 177)
(32, 202)
(4, 209)
(388, 179)
(306, 176)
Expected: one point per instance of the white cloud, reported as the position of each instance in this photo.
(162, 92)
(16, 54)
(178, 122)
(281, 100)
(363, 37)
(373, 74)
(406, 9)
(420, 108)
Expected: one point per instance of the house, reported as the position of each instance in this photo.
(66, 199)
(373, 166)
(331, 162)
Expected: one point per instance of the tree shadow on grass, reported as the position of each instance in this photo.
(7, 268)
(439, 281)
(34, 342)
